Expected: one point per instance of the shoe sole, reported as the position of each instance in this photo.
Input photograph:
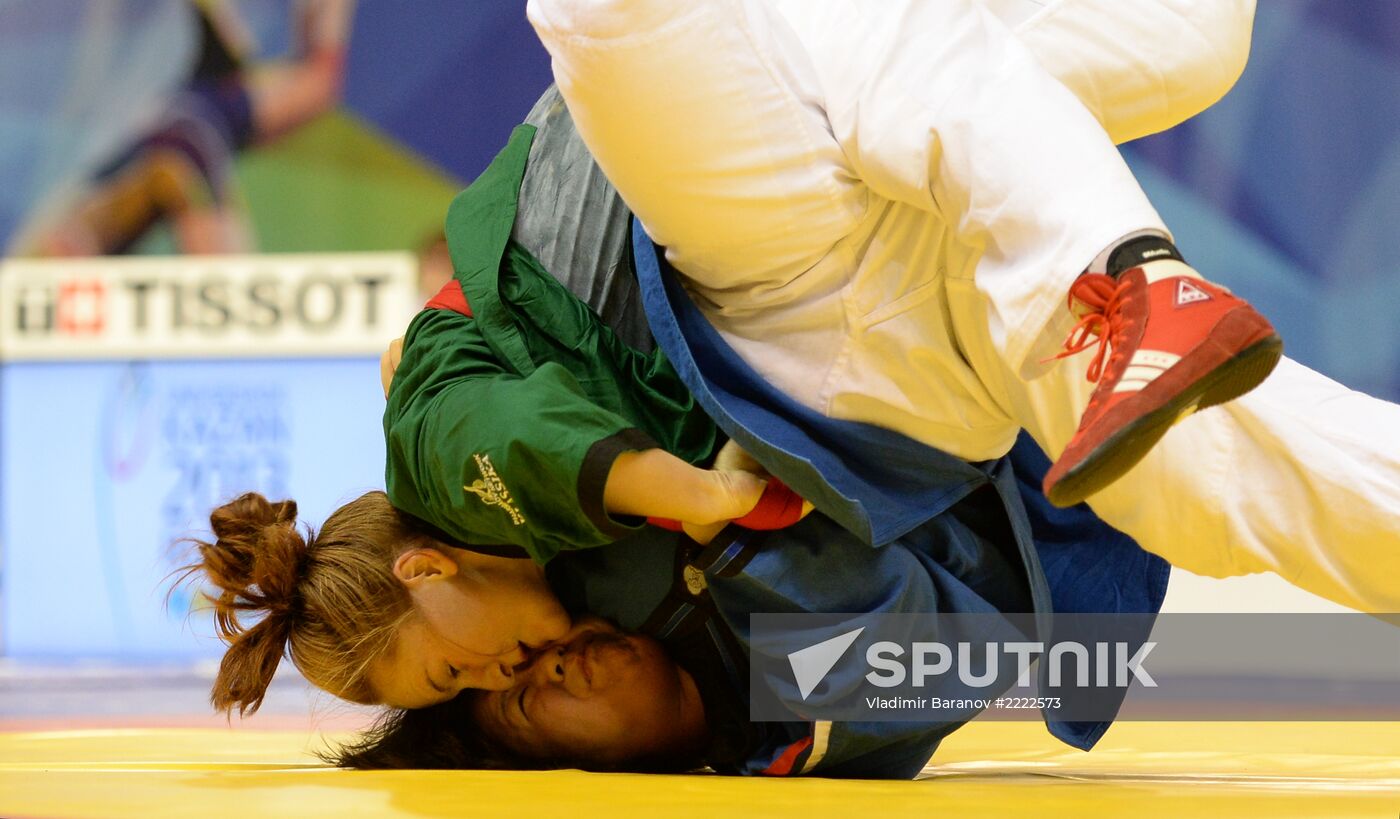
(1120, 452)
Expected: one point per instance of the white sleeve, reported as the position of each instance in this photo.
(1142, 66)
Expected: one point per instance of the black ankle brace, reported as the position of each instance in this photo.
(1139, 251)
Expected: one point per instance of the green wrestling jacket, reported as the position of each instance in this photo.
(513, 399)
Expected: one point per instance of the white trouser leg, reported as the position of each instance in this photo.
(1139, 66)
(1300, 477)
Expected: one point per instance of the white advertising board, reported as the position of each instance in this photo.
(200, 307)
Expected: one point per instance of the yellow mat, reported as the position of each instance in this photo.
(988, 769)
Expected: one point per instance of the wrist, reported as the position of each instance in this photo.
(655, 483)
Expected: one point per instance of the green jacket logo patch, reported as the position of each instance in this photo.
(492, 490)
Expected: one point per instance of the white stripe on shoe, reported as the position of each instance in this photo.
(1155, 358)
(1144, 369)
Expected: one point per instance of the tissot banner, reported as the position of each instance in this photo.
(200, 306)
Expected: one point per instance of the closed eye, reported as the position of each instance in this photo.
(520, 702)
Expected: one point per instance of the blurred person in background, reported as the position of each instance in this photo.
(180, 173)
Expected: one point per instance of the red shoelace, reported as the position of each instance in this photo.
(1105, 297)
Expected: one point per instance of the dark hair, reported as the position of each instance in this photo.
(448, 736)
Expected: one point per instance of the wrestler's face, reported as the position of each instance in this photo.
(600, 696)
(474, 619)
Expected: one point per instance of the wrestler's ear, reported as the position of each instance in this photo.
(423, 564)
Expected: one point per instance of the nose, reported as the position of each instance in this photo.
(515, 657)
(545, 665)
(530, 653)
(497, 675)
(494, 677)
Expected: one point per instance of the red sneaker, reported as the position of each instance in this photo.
(1179, 343)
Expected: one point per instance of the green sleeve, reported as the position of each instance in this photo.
(509, 459)
(641, 386)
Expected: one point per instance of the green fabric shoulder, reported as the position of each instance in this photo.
(502, 424)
